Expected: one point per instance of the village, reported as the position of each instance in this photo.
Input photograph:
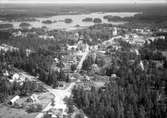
(48, 102)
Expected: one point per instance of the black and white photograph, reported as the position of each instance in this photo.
(83, 58)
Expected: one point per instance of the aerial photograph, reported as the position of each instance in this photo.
(83, 58)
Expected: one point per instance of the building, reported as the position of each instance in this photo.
(17, 34)
(5, 47)
(28, 52)
(14, 100)
(72, 47)
(114, 31)
(46, 37)
(33, 98)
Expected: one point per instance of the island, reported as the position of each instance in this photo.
(115, 18)
(47, 22)
(107, 16)
(97, 20)
(87, 19)
(68, 20)
(25, 25)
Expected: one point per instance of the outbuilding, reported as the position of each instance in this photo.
(14, 100)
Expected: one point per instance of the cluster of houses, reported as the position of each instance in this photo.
(5, 47)
(87, 82)
(80, 46)
(19, 77)
(134, 38)
(33, 99)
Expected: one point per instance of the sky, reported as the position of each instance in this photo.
(83, 1)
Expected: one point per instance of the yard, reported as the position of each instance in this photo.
(7, 111)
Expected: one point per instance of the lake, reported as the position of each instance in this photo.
(77, 20)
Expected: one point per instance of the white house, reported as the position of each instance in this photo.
(33, 98)
(17, 78)
(6, 47)
(14, 100)
(28, 52)
(141, 65)
(70, 47)
(6, 73)
(115, 31)
(56, 60)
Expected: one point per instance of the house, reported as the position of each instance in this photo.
(76, 36)
(81, 37)
(17, 34)
(95, 47)
(6, 73)
(46, 37)
(14, 100)
(113, 76)
(54, 113)
(95, 68)
(33, 98)
(87, 85)
(86, 78)
(6, 47)
(61, 84)
(28, 52)
(72, 78)
(115, 31)
(141, 65)
(72, 47)
(17, 78)
(56, 60)
(158, 64)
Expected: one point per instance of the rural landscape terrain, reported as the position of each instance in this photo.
(83, 61)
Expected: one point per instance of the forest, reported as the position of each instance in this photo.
(134, 93)
(38, 63)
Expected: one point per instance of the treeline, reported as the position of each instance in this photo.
(159, 44)
(30, 40)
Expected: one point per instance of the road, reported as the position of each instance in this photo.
(82, 59)
(59, 95)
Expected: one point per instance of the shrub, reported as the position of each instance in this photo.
(80, 115)
(34, 108)
(47, 116)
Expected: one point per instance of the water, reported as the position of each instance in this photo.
(77, 20)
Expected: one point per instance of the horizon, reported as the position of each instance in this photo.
(83, 2)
